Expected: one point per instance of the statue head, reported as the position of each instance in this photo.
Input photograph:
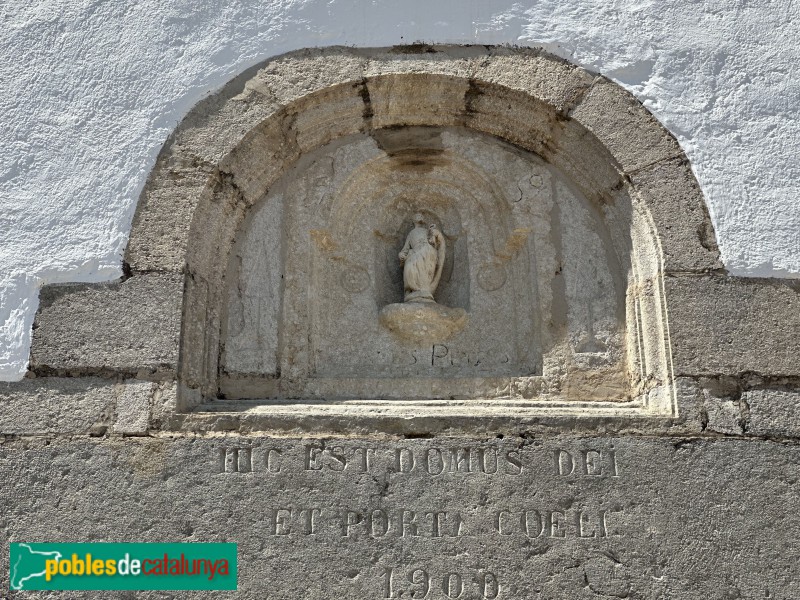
(419, 219)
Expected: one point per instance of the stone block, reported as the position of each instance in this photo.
(449, 61)
(511, 115)
(724, 416)
(164, 403)
(396, 100)
(218, 215)
(691, 417)
(773, 413)
(160, 231)
(262, 157)
(133, 406)
(623, 125)
(562, 516)
(218, 124)
(296, 75)
(331, 114)
(56, 405)
(729, 325)
(550, 79)
(584, 159)
(121, 327)
(674, 200)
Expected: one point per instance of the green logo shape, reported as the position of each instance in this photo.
(134, 566)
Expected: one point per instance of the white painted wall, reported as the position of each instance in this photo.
(90, 89)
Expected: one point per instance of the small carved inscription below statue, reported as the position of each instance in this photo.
(420, 318)
(422, 258)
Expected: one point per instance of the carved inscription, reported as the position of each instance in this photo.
(592, 463)
(401, 523)
(235, 460)
(487, 460)
(446, 357)
(364, 523)
(422, 583)
(535, 523)
(548, 510)
(286, 521)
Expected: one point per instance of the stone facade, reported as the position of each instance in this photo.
(613, 419)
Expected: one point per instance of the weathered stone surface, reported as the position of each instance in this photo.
(335, 112)
(122, 327)
(218, 215)
(539, 281)
(512, 115)
(53, 405)
(773, 413)
(160, 232)
(276, 148)
(164, 403)
(585, 160)
(728, 325)
(133, 406)
(217, 124)
(422, 59)
(622, 124)
(724, 416)
(543, 76)
(293, 76)
(675, 202)
(395, 100)
(551, 517)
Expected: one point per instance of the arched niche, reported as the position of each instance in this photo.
(563, 201)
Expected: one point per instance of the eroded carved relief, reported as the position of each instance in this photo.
(428, 263)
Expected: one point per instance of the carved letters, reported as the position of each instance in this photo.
(562, 498)
(378, 523)
(429, 461)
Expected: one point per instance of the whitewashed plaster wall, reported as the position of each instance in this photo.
(90, 90)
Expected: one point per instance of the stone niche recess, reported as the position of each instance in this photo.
(560, 292)
(557, 208)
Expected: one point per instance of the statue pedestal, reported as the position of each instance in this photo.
(420, 322)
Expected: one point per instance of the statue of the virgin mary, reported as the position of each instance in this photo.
(422, 258)
(420, 319)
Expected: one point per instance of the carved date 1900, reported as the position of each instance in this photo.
(420, 583)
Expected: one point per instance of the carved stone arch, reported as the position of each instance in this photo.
(310, 166)
(239, 146)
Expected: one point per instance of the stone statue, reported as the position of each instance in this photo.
(422, 258)
(420, 319)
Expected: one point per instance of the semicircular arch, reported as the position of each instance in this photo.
(231, 150)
